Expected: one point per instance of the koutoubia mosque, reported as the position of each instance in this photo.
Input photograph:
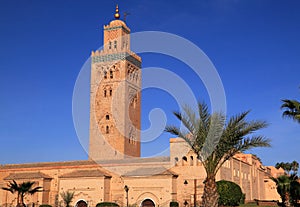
(115, 172)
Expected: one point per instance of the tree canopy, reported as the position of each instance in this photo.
(22, 190)
(214, 141)
(291, 109)
(288, 167)
(67, 197)
(288, 188)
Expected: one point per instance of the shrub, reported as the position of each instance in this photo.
(230, 193)
(107, 204)
(45, 205)
(295, 192)
(243, 199)
(174, 204)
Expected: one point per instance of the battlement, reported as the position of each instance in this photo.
(116, 24)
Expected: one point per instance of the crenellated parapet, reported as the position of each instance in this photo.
(117, 24)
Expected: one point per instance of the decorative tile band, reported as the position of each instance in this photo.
(116, 57)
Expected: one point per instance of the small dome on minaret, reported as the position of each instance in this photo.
(117, 15)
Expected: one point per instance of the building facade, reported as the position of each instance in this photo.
(115, 172)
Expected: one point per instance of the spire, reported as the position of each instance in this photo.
(117, 15)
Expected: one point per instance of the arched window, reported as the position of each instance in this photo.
(176, 160)
(104, 93)
(191, 161)
(109, 45)
(115, 44)
(107, 130)
(107, 117)
(184, 160)
(111, 75)
(110, 92)
(105, 75)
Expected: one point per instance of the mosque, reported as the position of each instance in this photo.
(115, 172)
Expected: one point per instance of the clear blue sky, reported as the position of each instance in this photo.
(253, 44)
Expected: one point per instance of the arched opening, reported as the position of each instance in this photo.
(176, 160)
(81, 203)
(191, 160)
(184, 160)
(148, 203)
(107, 130)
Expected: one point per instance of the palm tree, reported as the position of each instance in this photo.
(295, 191)
(22, 190)
(13, 187)
(67, 197)
(215, 141)
(295, 166)
(284, 165)
(288, 166)
(292, 109)
(287, 188)
(283, 188)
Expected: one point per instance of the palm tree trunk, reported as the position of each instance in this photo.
(210, 195)
(286, 202)
(18, 199)
(22, 200)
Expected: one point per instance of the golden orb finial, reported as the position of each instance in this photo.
(117, 15)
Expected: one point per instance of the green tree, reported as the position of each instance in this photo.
(230, 193)
(288, 167)
(295, 166)
(291, 109)
(283, 188)
(287, 188)
(22, 190)
(295, 192)
(215, 141)
(67, 197)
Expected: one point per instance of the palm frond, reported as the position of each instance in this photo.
(186, 120)
(35, 190)
(292, 109)
(255, 141)
(8, 189)
(67, 197)
(214, 135)
(212, 140)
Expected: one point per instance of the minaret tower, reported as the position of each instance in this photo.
(115, 97)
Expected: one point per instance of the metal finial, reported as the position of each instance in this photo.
(125, 15)
(117, 15)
